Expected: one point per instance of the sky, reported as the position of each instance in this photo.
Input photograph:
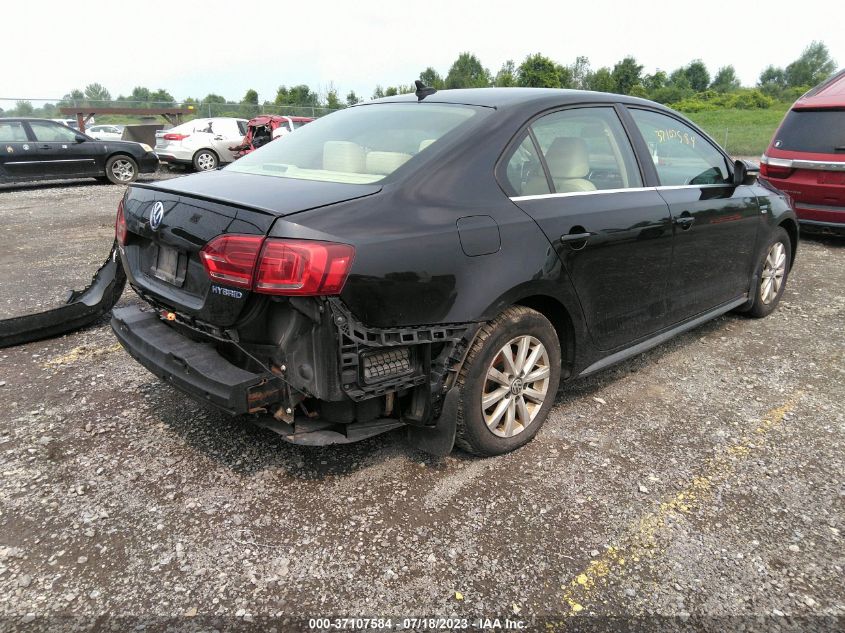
(226, 47)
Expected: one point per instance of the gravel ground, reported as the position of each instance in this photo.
(702, 482)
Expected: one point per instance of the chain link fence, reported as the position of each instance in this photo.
(49, 108)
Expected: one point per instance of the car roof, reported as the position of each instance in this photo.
(510, 97)
(828, 94)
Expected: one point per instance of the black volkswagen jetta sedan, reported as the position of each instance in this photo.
(442, 261)
(41, 149)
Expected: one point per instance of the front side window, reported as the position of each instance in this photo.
(586, 149)
(359, 145)
(680, 154)
(12, 132)
(52, 132)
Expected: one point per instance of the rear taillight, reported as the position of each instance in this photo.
(278, 266)
(120, 225)
(302, 267)
(775, 167)
(175, 137)
(230, 259)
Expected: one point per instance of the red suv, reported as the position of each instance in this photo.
(806, 158)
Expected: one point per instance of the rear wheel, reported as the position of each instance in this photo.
(205, 160)
(121, 170)
(508, 382)
(772, 272)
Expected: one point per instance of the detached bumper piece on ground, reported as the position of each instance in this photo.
(82, 307)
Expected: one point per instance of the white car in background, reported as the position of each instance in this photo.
(105, 132)
(202, 143)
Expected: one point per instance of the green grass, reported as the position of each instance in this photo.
(741, 132)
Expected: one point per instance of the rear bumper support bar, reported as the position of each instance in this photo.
(194, 367)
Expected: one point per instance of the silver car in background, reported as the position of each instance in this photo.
(201, 143)
(105, 132)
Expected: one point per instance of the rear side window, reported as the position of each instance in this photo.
(820, 131)
(525, 171)
(586, 149)
(205, 126)
(12, 132)
(680, 154)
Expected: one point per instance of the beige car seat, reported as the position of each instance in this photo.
(344, 156)
(385, 162)
(569, 164)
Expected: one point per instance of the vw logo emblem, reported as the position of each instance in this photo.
(156, 215)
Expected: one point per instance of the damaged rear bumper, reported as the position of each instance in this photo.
(222, 372)
(196, 368)
(199, 370)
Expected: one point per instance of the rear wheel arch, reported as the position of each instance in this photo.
(791, 228)
(562, 311)
(560, 318)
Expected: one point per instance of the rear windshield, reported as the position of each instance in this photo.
(358, 145)
(821, 131)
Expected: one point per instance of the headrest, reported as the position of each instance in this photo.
(426, 143)
(385, 162)
(343, 156)
(567, 158)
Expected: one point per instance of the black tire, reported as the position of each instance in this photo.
(121, 169)
(206, 160)
(766, 302)
(473, 433)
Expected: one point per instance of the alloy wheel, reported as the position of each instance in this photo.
(516, 385)
(123, 170)
(774, 270)
(206, 162)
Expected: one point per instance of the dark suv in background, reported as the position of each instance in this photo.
(806, 157)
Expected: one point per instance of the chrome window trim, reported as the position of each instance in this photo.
(568, 194)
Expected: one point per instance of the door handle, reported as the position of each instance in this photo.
(685, 222)
(45, 147)
(575, 237)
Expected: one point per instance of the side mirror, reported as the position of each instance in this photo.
(80, 138)
(745, 173)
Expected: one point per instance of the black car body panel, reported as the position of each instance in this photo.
(445, 244)
(25, 158)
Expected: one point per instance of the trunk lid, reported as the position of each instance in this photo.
(170, 222)
(270, 194)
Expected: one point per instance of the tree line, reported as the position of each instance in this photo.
(689, 88)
